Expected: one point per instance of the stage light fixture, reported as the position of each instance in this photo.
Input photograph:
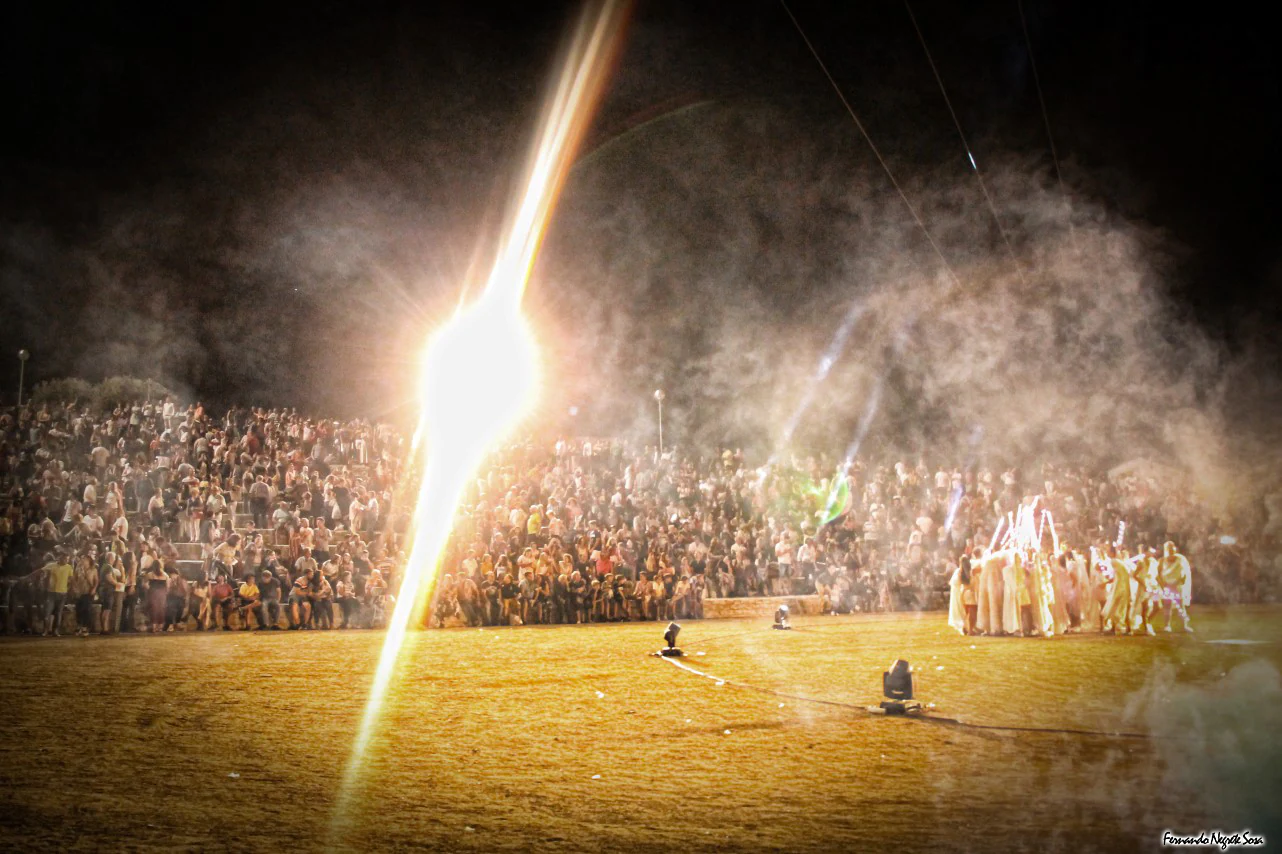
(671, 637)
(898, 684)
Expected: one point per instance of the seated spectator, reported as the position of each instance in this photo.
(249, 601)
(269, 589)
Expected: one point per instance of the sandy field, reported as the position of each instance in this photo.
(575, 738)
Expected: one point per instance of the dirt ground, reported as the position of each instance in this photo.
(573, 738)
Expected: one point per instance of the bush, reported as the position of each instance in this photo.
(62, 391)
(100, 398)
(117, 390)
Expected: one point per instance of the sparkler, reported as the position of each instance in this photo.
(480, 371)
(1024, 529)
(1050, 520)
(997, 531)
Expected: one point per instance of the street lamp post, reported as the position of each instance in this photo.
(658, 398)
(23, 356)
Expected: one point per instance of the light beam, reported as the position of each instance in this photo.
(480, 375)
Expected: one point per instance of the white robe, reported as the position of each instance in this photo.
(1011, 579)
(989, 617)
(1088, 601)
(956, 608)
(1060, 584)
(1041, 595)
(1176, 578)
(1118, 605)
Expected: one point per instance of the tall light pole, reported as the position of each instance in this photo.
(23, 356)
(658, 398)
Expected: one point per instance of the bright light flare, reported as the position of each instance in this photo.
(480, 376)
(480, 371)
(480, 379)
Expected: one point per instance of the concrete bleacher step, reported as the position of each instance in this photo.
(760, 606)
(188, 551)
(190, 569)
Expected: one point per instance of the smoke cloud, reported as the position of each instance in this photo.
(1220, 739)
(296, 250)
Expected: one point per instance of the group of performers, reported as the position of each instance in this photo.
(1030, 592)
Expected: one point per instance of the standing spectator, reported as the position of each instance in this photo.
(348, 604)
(57, 580)
(322, 601)
(157, 581)
(83, 590)
(260, 496)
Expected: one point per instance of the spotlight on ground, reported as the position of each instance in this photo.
(898, 684)
(781, 618)
(671, 637)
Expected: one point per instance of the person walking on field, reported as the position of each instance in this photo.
(57, 580)
(1176, 578)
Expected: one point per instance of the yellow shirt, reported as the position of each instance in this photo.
(59, 577)
(249, 590)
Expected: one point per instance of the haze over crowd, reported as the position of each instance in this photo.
(298, 239)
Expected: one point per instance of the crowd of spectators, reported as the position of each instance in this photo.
(596, 531)
(158, 516)
(155, 516)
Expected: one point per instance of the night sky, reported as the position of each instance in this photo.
(270, 205)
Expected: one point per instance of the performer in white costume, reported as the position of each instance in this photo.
(1084, 579)
(956, 588)
(1012, 578)
(1054, 610)
(1176, 577)
(1117, 607)
(1148, 591)
(1066, 589)
(989, 617)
